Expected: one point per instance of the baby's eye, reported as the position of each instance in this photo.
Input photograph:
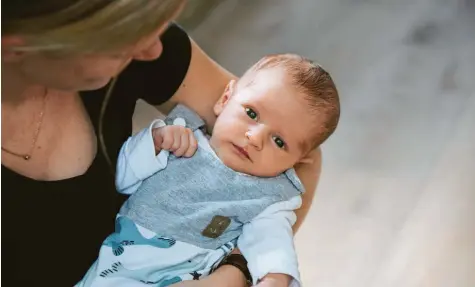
(279, 142)
(251, 113)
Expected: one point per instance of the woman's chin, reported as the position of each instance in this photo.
(94, 84)
(88, 85)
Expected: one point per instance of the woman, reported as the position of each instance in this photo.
(59, 145)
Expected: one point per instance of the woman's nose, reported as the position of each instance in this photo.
(150, 53)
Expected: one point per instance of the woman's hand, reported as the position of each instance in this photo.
(225, 276)
(275, 280)
(177, 139)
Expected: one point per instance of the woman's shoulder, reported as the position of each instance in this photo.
(157, 81)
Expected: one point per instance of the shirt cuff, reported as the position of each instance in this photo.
(281, 263)
(142, 158)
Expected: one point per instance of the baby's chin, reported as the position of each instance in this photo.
(262, 172)
(249, 168)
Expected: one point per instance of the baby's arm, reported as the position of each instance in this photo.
(268, 246)
(147, 152)
(138, 159)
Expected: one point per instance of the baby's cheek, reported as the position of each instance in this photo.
(224, 129)
(279, 164)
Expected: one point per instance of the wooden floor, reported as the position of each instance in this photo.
(396, 202)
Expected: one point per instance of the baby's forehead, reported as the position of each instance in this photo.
(254, 74)
(274, 81)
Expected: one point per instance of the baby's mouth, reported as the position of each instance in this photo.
(242, 151)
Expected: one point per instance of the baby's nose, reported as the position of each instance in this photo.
(255, 138)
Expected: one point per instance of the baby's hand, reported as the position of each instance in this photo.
(275, 280)
(177, 139)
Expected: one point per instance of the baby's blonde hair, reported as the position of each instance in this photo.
(84, 26)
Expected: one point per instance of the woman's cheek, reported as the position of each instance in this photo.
(108, 70)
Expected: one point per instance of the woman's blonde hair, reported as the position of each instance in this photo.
(84, 26)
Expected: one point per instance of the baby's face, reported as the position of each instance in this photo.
(262, 129)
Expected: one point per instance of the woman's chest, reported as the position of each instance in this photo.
(66, 142)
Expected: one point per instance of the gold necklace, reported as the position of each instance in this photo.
(39, 124)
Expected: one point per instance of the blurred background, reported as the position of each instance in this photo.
(396, 201)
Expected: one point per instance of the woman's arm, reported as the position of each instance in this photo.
(309, 174)
(224, 276)
(204, 83)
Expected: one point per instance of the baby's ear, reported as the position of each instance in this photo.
(224, 99)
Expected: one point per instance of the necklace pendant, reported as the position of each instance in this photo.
(26, 157)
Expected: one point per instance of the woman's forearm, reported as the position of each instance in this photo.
(309, 175)
(227, 276)
(224, 276)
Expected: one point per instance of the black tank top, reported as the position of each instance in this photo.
(52, 230)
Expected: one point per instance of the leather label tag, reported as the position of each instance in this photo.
(217, 226)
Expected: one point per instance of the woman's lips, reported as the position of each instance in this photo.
(242, 152)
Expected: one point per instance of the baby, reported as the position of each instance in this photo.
(195, 196)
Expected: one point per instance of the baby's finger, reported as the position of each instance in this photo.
(193, 145)
(176, 138)
(183, 144)
(168, 140)
(157, 139)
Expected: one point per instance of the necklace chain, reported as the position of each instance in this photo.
(39, 124)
